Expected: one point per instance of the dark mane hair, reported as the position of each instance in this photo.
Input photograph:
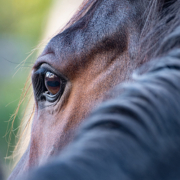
(154, 40)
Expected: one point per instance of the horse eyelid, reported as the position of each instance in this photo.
(43, 68)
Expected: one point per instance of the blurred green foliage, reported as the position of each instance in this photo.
(22, 23)
(23, 17)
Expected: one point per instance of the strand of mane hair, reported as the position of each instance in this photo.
(165, 18)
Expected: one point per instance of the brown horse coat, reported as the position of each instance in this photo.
(97, 51)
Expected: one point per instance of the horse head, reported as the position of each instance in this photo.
(78, 67)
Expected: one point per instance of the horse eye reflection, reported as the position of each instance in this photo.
(52, 83)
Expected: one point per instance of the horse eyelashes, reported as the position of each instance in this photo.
(38, 85)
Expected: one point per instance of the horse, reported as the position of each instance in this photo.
(98, 49)
(134, 136)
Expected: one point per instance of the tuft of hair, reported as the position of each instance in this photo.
(163, 18)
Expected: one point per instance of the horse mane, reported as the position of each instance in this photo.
(154, 40)
(154, 32)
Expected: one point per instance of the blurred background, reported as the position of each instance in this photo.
(24, 26)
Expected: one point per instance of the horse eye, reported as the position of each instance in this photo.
(52, 83)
